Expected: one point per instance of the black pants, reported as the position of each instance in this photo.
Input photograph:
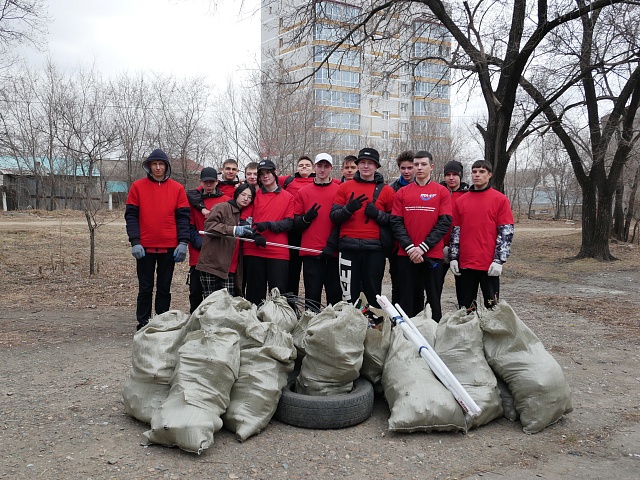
(318, 273)
(196, 294)
(146, 268)
(361, 271)
(467, 288)
(295, 264)
(262, 272)
(414, 281)
(443, 275)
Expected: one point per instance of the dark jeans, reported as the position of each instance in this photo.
(467, 288)
(318, 273)
(146, 268)
(415, 280)
(196, 294)
(361, 271)
(262, 272)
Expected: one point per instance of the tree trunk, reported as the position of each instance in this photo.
(92, 243)
(617, 230)
(596, 224)
(631, 206)
(588, 219)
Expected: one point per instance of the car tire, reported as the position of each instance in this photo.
(326, 412)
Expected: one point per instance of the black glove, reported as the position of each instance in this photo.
(260, 241)
(311, 214)
(262, 226)
(327, 253)
(371, 211)
(355, 204)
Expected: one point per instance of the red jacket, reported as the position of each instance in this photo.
(297, 182)
(157, 214)
(275, 207)
(421, 208)
(318, 231)
(479, 214)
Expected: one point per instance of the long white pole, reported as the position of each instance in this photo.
(273, 244)
(440, 370)
(457, 386)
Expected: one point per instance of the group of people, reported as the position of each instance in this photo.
(342, 230)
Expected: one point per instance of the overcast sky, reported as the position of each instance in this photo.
(179, 37)
(184, 38)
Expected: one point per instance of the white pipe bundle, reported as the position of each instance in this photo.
(430, 356)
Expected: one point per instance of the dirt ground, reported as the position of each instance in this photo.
(65, 349)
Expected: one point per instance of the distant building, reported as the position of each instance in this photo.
(353, 107)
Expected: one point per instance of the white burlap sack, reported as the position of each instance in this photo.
(264, 368)
(459, 346)
(376, 346)
(221, 310)
(154, 355)
(334, 351)
(276, 310)
(417, 399)
(540, 392)
(299, 332)
(200, 387)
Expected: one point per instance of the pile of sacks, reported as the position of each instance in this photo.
(499, 361)
(225, 364)
(228, 362)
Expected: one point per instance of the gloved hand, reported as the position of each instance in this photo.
(180, 253)
(260, 241)
(355, 204)
(453, 265)
(495, 269)
(262, 226)
(242, 230)
(327, 253)
(137, 251)
(311, 214)
(371, 211)
(445, 253)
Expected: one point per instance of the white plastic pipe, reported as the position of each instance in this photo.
(435, 363)
(273, 244)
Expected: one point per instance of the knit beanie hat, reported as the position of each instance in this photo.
(453, 167)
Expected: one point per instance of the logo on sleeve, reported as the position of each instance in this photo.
(425, 197)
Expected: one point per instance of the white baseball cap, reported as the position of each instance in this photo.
(323, 156)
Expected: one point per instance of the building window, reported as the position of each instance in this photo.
(403, 107)
(385, 95)
(403, 88)
(385, 135)
(404, 127)
(385, 115)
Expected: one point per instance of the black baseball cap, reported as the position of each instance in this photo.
(208, 174)
(266, 164)
(370, 154)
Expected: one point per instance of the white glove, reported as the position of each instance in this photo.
(495, 269)
(445, 254)
(453, 265)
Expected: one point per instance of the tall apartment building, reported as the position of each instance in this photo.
(356, 101)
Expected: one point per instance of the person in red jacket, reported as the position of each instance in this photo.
(312, 206)
(157, 218)
(453, 171)
(229, 180)
(480, 239)
(201, 200)
(303, 177)
(272, 216)
(420, 218)
(362, 254)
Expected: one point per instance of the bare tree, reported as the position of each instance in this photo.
(88, 133)
(21, 22)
